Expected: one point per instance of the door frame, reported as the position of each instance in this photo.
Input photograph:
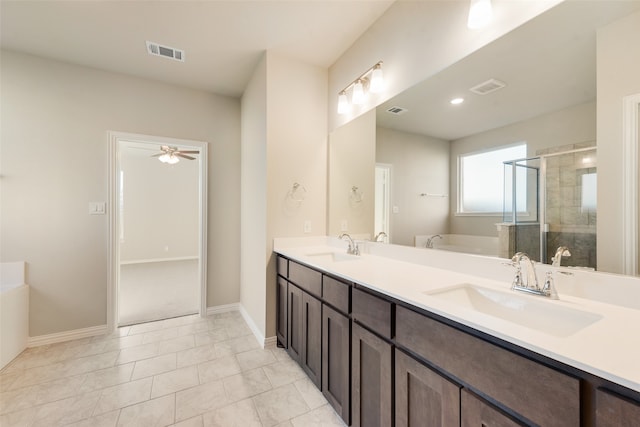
(114, 225)
(630, 187)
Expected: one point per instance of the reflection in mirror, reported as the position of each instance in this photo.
(534, 86)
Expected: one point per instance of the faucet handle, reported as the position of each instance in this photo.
(548, 288)
(517, 279)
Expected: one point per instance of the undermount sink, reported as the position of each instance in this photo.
(542, 315)
(333, 256)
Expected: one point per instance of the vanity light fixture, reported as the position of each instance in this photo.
(480, 13)
(357, 97)
(371, 80)
(456, 101)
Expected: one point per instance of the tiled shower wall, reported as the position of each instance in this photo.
(571, 224)
(571, 221)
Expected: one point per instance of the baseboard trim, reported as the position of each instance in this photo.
(224, 308)
(252, 325)
(66, 336)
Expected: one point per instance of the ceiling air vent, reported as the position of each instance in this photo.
(397, 110)
(165, 51)
(487, 87)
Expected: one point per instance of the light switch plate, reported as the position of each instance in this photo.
(307, 226)
(344, 225)
(97, 208)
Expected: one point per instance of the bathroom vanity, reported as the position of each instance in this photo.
(404, 336)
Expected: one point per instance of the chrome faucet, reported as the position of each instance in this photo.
(353, 246)
(380, 234)
(430, 241)
(531, 286)
(556, 260)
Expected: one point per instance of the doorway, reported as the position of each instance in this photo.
(382, 201)
(157, 228)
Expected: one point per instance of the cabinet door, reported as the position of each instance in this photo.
(612, 410)
(336, 346)
(477, 413)
(371, 379)
(294, 322)
(424, 397)
(311, 356)
(281, 312)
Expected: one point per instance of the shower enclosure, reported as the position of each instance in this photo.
(550, 201)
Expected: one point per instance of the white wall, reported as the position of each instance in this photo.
(420, 164)
(618, 75)
(352, 161)
(571, 125)
(284, 140)
(54, 139)
(416, 40)
(161, 206)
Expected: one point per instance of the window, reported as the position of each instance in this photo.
(481, 179)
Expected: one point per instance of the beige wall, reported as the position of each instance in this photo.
(55, 123)
(618, 75)
(420, 164)
(284, 140)
(571, 125)
(352, 161)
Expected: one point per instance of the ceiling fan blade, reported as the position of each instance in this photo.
(179, 154)
(189, 151)
(157, 155)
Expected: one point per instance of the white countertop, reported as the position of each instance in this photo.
(609, 347)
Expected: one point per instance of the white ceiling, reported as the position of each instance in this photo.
(548, 64)
(223, 40)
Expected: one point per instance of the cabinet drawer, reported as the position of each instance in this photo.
(306, 278)
(522, 385)
(612, 410)
(283, 266)
(371, 311)
(336, 293)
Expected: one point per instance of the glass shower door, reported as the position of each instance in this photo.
(570, 210)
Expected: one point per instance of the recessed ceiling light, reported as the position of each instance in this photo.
(456, 101)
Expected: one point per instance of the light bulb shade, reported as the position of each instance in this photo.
(357, 97)
(480, 12)
(173, 159)
(377, 80)
(164, 158)
(343, 104)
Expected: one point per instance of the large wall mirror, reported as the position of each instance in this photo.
(513, 167)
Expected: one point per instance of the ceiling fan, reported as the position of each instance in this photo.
(172, 155)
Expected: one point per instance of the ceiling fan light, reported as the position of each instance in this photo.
(173, 159)
(164, 158)
(357, 97)
(377, 80)
(480, 12)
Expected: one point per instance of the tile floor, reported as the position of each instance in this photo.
(185, 372)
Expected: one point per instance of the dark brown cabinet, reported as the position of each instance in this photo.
(281, 313)
(336, 349)
(371, 379)
(383, 362)
(424, 398)
(519, 384)
(477, 413)
(294, 322)
(311, 355)
(615, 411)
